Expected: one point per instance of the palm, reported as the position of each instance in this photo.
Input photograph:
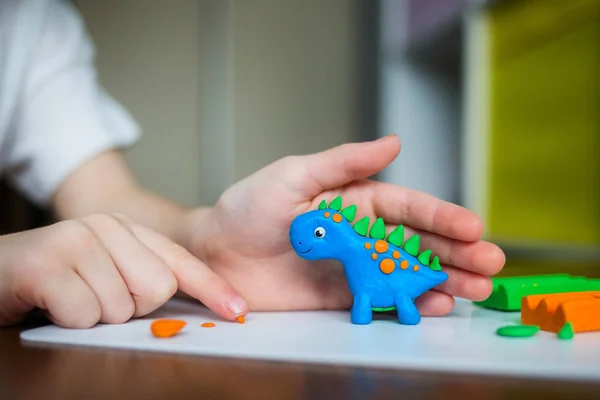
(247, 240)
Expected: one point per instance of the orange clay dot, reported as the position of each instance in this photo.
(396, 254)
(164, 328)
(381, 246)
(240, 319)
(327, 214)
(416, 267)
(368, 245)
(387, 265)
(404, 264)
(208, 325)
(337, 218)
(374, 256)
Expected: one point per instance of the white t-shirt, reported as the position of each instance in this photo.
(54, 116)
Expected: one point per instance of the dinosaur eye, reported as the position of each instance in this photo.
(320, 232)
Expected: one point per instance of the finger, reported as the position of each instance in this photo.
(434, 304)
(193, 276)
(465, 284)
(68, 300)
(481, 257)
(95, 266)
(399, 205)
(343, 164)
(148, 279)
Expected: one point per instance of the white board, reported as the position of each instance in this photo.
(463, 341)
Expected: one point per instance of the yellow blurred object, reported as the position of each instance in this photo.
(544, 167)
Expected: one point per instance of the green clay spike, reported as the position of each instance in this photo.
(424, 257)
(435, 264)
(397, 236)
(349, 213)
(378, 229)
(566, 332)
(336, 204)
(322, 205)
(362, 226)
(412, 245)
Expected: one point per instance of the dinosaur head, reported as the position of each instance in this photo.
(317, 234)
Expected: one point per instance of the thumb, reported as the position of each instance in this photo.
(349, 162)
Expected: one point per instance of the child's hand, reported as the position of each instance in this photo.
(245, 237)
(102, 268)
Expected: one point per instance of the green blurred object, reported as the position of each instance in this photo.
(544, 146)
(566, 332)
(518, 330)
(508, 292)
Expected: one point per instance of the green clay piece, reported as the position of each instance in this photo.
(322, 205)
(362, 226)
(397, 236)
(412, 245)
(349, 213)
(424, 257)
(508, 292)
(518, 330)
(336, 204)
(384, 309)
(435, 264)
(378, 229)
(566, 332)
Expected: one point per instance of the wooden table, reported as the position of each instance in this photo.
(84, 373)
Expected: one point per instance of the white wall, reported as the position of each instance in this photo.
(149, 58)
(224, 87)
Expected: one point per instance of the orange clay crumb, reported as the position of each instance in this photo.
(208, 325)
(240, 319)
(164, 328)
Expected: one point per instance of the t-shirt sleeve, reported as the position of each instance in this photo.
(63, 117)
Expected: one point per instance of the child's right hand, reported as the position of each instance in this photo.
(102, 269)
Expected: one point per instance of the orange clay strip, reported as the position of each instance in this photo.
(164, 328)
(551, 311)
(208, 325)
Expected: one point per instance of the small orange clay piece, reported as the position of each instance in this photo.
(381, 246)
(208, 325)
(551, 311)
(337, 218)
(387, 265)
(164, 328)
(240, 319)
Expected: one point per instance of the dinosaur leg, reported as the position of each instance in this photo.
(361, 313)
(407, 311)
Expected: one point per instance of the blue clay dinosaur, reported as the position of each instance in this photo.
(383, 273)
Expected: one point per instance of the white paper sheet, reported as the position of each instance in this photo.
(464, 341)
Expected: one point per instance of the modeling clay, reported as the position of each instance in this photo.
(551, 312)
(518, 330)
(566, 332)
(164, 328)
(383, 274)
(240, 319)
(208, 325)
(509, 291)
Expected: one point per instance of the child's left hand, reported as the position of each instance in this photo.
(245, 237)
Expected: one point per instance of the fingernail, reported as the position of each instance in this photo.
(385, 137)
(237, 305)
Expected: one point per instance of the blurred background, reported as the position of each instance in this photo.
(497, 102)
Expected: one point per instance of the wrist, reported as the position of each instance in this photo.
(189, 230)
